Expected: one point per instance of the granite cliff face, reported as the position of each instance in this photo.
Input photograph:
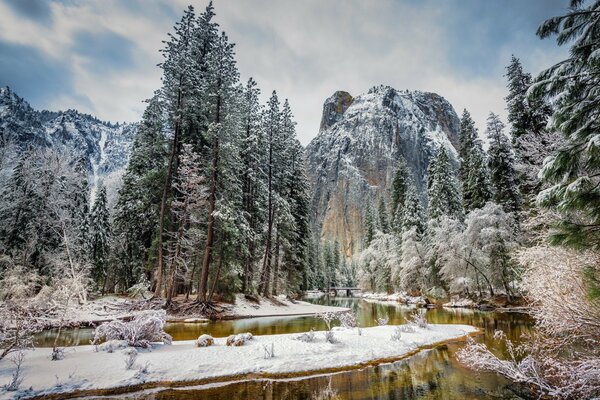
(103, 146)
(352, 160)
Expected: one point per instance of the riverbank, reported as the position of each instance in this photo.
(109, 308)
(80, 372)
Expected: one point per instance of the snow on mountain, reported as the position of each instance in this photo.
(352, 160)
(103, 146)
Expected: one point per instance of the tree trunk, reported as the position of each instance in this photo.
(266, 271)
(276, 268)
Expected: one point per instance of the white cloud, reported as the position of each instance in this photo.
(306, 50)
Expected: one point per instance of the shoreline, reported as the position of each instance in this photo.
(184, 364)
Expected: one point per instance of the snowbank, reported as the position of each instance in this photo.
(395, 297)
(278, 307)
(461, 303)
(84, 368)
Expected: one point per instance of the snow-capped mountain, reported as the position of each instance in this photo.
(103, 146)
(352, 160)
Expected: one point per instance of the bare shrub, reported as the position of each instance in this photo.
(17, 327)
(397, 333)
(141, 331)
(418, 319)
(131, 355)
(16, 377)
(58, 353)
(562, 359)
(328, 393)
(307, 337)
(269, 351)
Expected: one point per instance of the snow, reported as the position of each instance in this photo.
(244, 308)
(84, 368)
(393, 297)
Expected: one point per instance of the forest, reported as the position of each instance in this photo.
(216, 206)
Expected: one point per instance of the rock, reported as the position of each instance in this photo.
(353, 159)
(205, 341)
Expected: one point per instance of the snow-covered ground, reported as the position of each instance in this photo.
(394, 297)
(280, 306)
(84, 368)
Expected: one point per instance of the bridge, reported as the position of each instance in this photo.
(348, 290)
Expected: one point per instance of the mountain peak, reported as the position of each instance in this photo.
(334, 107)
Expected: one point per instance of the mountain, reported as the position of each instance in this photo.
(103, 146)
(352, 160)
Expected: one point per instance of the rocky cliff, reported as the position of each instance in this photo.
(104, 146)
(352, 160)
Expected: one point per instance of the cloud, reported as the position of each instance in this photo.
(306, 50)
(37, 10)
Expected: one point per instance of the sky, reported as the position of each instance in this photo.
(101, 56)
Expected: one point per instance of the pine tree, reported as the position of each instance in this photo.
(136, 215)
(399, 184)
(528, 115)
(369, 225)
(443, 192)
(413, 216)
(467, 139)
(100, 230)
(384, 220)
(477, 187)
(574, 168)
(503, 175)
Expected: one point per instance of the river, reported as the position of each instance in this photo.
(431, 374)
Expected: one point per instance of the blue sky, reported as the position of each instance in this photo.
(100, 56)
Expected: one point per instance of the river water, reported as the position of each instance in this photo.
(430, 374)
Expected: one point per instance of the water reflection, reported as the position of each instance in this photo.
(432, 374)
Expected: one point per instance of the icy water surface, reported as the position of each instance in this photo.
(431, 374)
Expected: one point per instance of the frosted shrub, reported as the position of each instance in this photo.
(349, 321)
(330, 337)
(397, 333)
(269, 351)
(205, 341)
(58, 353)
(418, 320)
(17, 327)
(141, 331)
(236, 340)
(328, 318)
(131, 355)
(407, 328)
(383, 320)
(306, 337)
(16, 377)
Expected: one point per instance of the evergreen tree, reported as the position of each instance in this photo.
(413, 216)
(467, 139)
(384, 220)
(503, 175)
(136, 215)
(369, 225)
(100, 237)
(399, 184)
(528, 115)
(443, 192)
(477, 187)
(574, 168)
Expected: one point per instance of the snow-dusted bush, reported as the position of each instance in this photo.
(141, 331)
(328, 318)
(205, 341)
(348, 320)
(407, 328)
(17, 282)
(307, 337)
(269, 351)
(381, 321)
(236, 340)
(397, 333)
(418, 320)
(16, 377)
(58, 353)
(131, 355)
(562, 359)
(17, 326)
(110, 346)
(377, 261)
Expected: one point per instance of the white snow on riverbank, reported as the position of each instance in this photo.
(84, 368)
(281, 306)
(393, 297)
